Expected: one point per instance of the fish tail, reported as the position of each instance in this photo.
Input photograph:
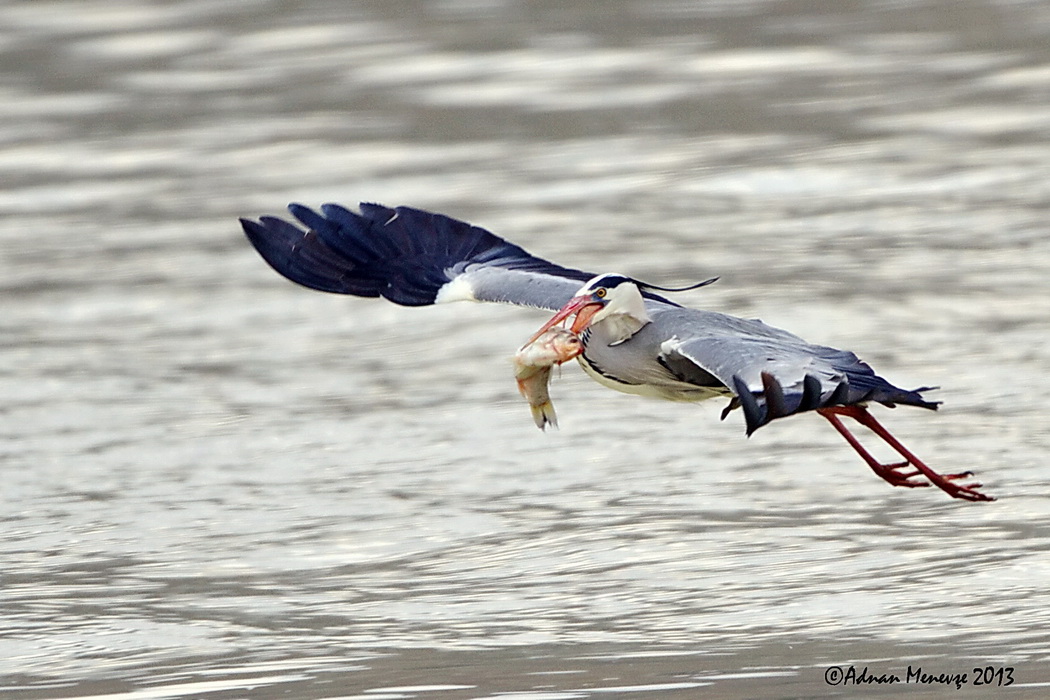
(543, 414)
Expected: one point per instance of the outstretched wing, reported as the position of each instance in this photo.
(772, 373)
(409, 256)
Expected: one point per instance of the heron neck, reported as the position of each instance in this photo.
(617, 328)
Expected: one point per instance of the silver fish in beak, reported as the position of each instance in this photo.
(532, 369)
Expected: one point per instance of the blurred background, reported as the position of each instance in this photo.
(217, 484)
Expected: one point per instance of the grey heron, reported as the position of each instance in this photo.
(635, 339)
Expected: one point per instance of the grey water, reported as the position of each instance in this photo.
(216, 484)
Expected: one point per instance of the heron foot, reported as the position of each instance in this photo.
(895, 474)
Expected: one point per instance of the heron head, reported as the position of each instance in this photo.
(607, 296)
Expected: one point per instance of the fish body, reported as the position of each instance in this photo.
(532, 369)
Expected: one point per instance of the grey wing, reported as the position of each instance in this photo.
(409, 256)
(772, 376)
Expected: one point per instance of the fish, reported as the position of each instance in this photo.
(532, 369)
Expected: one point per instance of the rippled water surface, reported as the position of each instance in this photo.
(217, 484)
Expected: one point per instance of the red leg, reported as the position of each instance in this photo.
(894, 473)
(890, 472)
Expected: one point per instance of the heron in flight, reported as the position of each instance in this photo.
(635, 339)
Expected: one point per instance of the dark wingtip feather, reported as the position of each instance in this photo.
(752, 411)
(774, 393)
(303, 258)
(810, 393)
(772, 402)
(840, 396)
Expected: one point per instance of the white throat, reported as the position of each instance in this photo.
(620, 327)
(623, 316)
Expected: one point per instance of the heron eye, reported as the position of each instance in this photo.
(600, 292)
